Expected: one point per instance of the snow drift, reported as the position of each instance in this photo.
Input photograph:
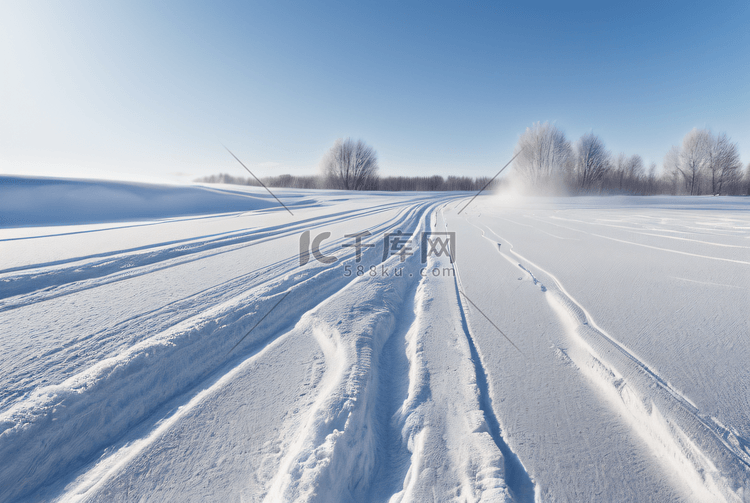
(31, 201)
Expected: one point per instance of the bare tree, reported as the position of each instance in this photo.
(634, 168)
(651, 179)
(592, 161)
(695, 159)
(724, 164)
(459, 183)
(544, 155)
(625, 175)
(619, 169)
(707, 162)
(672, 172)
(350, 165)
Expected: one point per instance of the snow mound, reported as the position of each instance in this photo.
(31, 201)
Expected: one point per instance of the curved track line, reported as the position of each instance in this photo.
(718, 432)
(519, 481)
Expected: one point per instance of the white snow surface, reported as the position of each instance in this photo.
(165, 343)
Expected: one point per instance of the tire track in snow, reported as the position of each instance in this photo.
(339, 451)
(396, 373)
(88, 484)
(40, 282)
(519, 482)
(453, 454)
(583, 317)
(199, 240)
(60, 360)
(58, 429)
(340, 455)
(412, 214)
(333, 347)
(711, 458)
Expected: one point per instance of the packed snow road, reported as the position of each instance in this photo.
(378, 347)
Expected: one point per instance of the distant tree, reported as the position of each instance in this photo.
(544, 155)
(724, 166)
(350, 165)
(625, 175)
(707, 163)
(695, 159)
(592, 160)
(672, 172)
(459, 183)
(619, 170)
(290, 181)
(634, 169)
(651, 179)
(225, 178)
(434, 183)
(296, 182)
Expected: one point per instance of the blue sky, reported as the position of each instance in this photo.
(132, 89)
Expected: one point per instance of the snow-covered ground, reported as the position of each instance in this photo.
(168, 343)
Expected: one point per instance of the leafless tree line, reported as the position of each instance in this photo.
(547, 163)
(437, 183)
(353, 165)
(294, 182)
(388, 183)
(704, 164)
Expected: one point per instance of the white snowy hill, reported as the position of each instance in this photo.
(34, 201)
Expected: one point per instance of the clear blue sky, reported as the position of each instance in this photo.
(133, 89)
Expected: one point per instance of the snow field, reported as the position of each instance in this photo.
(584, 349)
